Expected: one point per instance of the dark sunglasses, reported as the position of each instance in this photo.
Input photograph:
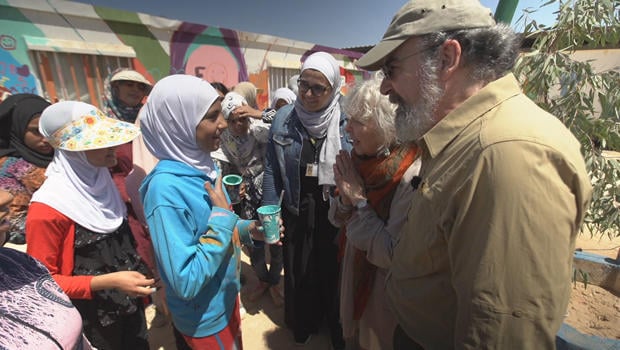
(317, 90)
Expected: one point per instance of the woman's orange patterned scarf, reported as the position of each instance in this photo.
(381, 177)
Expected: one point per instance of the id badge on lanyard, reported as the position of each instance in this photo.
(312, 169)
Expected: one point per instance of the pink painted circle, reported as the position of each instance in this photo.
(213, 64)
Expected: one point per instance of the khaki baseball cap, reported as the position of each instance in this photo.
(419, 17)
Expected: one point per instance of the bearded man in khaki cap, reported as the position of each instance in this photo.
(484, 259)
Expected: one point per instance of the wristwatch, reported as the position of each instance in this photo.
(361, 204)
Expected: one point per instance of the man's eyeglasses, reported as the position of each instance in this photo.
(317, 90)
(388, 70)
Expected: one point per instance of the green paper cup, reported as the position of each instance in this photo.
(269, 216)
(233, 185)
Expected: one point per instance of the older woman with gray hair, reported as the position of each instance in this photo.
(374, 192)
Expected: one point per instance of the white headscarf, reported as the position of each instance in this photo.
(292, 83)
(285, 94)
(325, 122)
(84, 193)
(231, 101)
(168, 120)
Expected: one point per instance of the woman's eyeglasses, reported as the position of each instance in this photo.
(317, 90)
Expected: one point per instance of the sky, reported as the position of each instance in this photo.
(334, 23)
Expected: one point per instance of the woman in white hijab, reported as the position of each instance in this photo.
(76, 226)
(303, 143)
(282, 97)
(196, 236)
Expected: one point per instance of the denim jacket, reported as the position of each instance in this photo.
(283, 156)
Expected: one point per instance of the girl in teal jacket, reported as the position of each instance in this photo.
(196, 236)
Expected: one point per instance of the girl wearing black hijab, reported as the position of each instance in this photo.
(24, 155)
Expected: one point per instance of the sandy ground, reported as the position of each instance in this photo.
(262, 327)
(594, 310)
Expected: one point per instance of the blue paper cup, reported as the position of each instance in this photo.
(232, 183)
(269, 216)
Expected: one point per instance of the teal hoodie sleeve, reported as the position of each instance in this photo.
(189, 265)
(244, 232)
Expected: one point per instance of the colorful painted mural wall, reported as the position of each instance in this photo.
(155, 46)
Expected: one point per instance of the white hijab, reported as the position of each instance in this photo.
(168, 120)
(292, 84)
(327, 121)
(285, 94)
(84, 193)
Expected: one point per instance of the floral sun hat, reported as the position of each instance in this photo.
(79, 126)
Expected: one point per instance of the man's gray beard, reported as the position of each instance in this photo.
(412, 122)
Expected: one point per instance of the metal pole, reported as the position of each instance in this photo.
(505, 11)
